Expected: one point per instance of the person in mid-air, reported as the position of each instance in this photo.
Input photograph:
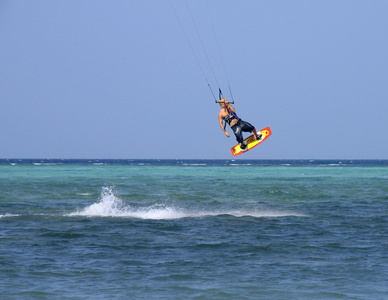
(228, 113)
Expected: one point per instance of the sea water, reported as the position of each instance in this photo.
(193, 229)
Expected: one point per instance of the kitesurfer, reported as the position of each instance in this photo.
(228, 113)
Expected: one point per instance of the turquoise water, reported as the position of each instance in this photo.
(206, 229)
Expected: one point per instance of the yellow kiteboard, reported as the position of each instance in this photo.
(252, 142)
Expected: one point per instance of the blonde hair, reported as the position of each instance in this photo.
(222, 100)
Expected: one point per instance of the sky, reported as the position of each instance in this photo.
(129, 79)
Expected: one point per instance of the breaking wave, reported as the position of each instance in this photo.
(9, 215)
(112, 206)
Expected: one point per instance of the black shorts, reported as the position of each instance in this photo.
(240, 127)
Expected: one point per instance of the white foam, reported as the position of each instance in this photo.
(8, 215)
(109, 205)
(112, 206)
(84, 194)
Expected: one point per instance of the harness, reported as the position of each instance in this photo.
(231, 116)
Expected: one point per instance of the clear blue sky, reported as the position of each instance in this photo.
(117, 79)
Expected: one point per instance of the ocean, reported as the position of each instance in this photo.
(193, 229)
